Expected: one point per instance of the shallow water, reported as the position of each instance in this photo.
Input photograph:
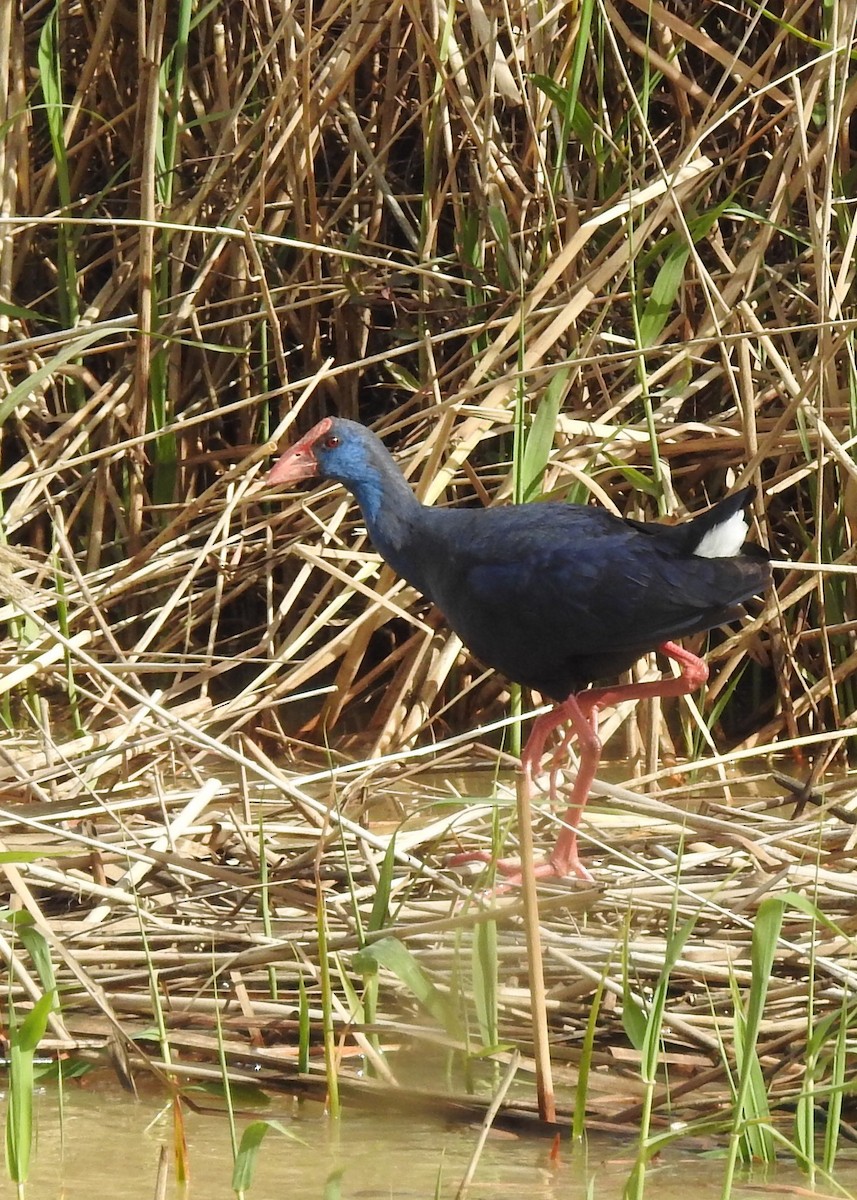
(109, 1144)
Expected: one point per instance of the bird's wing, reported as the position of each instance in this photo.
(614, 590)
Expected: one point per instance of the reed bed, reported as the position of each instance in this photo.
(168, 891)
(602, 251)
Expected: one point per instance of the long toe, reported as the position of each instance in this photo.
(506, 866)
(510, 868)
(469, 856)
(573, 867)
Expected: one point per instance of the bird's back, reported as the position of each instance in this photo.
(556, 596)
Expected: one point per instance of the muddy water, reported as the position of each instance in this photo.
(108, 1144)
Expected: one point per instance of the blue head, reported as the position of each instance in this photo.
(351, 454)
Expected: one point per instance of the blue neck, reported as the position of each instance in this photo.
(394, 518)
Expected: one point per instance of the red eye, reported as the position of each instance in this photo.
(330, 443)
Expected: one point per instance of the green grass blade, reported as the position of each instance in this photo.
(766, 931)
(39, 951)
(50, 80)
(391, 954)
(32, 382)
(539, 440)
(485, 981)
(663, 295)
(654, 1025)
(328, 1029)
(24, 1039)
(578, 1122)
(304, 1028)
(379, 915)
(833, 1125)
(248, 1151)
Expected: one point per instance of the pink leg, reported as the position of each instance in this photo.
(580, 713)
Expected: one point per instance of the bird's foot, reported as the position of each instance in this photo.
(548, 868)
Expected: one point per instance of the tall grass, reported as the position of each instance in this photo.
(600, 252)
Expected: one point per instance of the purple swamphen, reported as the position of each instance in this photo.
(553, 595)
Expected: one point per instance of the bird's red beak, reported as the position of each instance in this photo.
(299, 461)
